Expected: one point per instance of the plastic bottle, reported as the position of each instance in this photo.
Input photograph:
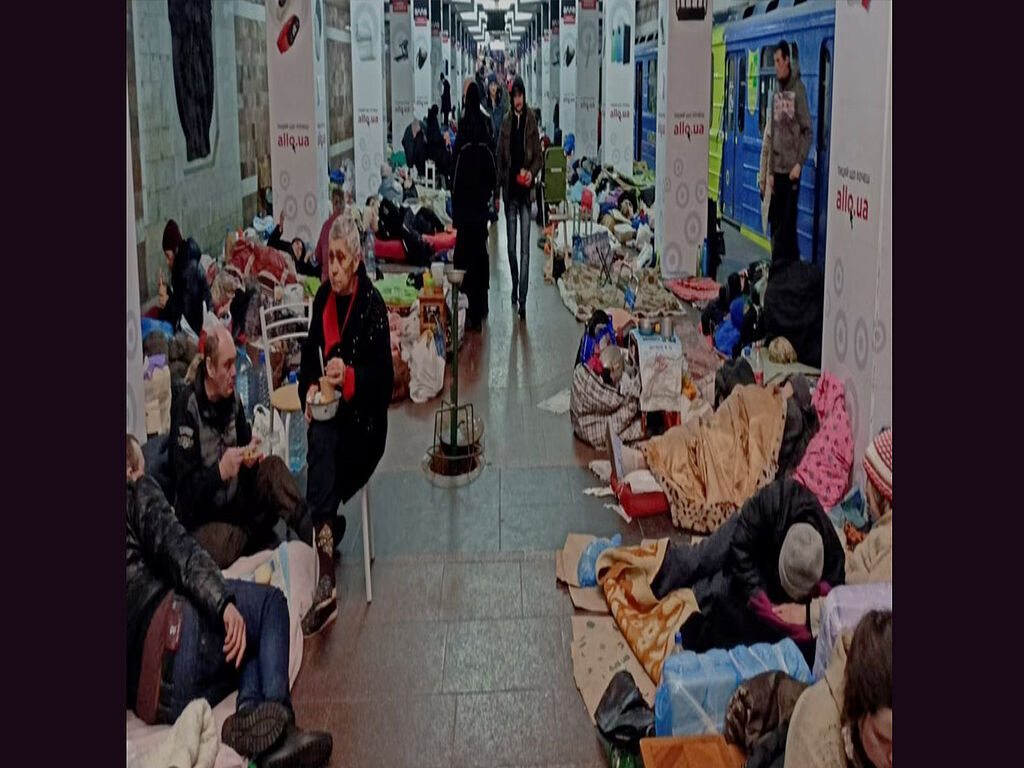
(243, 370)
(262, 394)
(369, 251)
(296, 436)
(758, 365)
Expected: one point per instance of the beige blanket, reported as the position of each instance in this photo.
(709, 467)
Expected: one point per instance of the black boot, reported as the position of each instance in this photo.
(300, 749)
(325, 595)
(253, 731)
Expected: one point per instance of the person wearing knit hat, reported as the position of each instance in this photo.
(878, 464)
(754, 576)
(188, 291)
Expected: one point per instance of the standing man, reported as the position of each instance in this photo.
(446, 99)
(787, 140)
(519, 160)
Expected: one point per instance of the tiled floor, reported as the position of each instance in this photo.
(463, 657)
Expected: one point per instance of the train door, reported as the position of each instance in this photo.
(730, 146)
(823, 133)
(638, 109)
(740, 120)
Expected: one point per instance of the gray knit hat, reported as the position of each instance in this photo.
(801, 560)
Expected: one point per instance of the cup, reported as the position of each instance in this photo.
(437, 272)
(327, 388)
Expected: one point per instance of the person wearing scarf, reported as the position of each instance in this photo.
(349, 328)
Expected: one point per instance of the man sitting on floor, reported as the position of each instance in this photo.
(227, 495)
(193, 634)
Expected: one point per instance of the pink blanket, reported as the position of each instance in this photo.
(694, 288)
(825, 467)
(141, 738)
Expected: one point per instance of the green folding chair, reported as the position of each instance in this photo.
(553, 184)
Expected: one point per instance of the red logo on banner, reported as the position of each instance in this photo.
(399, 6)
(421, 13)
(588, 5)
(569, 11)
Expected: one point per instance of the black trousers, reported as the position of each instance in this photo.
(471, 255)
(782, 217)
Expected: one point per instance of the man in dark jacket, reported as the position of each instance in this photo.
(787, 142)
(474, 181)
(226, 495)
(755, 576)
(188, 631)
(519, 161)
(188, 289)
(446, 99)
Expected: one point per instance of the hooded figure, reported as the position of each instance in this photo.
(188, 289)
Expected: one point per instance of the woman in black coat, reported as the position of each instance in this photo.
(188, 288)
(474, 181)
(349, 327)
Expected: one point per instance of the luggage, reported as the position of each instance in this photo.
(843, 609)
(695, 689)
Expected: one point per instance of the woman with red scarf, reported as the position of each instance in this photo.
(349, 327)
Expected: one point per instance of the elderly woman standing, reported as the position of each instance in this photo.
(349, 327)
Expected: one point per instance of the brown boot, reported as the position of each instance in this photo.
(325, 594)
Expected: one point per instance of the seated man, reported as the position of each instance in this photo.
(227, 495)
(350, 334)
(192, 634)
(756, 574)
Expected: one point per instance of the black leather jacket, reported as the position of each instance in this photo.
(160, 556)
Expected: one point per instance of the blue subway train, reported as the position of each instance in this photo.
(742, 80)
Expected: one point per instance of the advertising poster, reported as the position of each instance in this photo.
(857, 336)
(544, 92)
(618, 77)
(682, 143)
(587, 76)
(135, 394)
(436, 59)
(567, 69)
(420, 47)
(298, 114)
(402, 55)
(447, 50)
(367, 98)
(553, 85)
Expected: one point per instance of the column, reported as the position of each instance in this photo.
(367, 97)
(618, 78)
(569, 53)
(588, 53)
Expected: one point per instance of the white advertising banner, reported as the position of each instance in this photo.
(436, 57)
(135, 393)
(402, 56)
(857, 338)
(420, 53)
(681, 158)
(545, 81)
(618, 79)
(298, 115)
(567, 69)
(588, 55)
(554, 78)
(367, 98)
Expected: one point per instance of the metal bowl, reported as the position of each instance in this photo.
(455, 276)
(325, 411)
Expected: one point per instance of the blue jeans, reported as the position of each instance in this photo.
(200, 670)
(519, 209)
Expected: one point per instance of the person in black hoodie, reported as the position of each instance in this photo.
(176, 591)
(446, 98)
(188, 289)
(349, 328)
(436, 149)
(755, 576)
(225, 493)
(474, 183)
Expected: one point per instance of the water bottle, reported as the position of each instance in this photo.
(262, 394)
(296, 436)
(369, 251)
(243, 369)
(678, 646)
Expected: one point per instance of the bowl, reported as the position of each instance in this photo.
(455, 276)
(324, 411)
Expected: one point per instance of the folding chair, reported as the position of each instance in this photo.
(284, 399)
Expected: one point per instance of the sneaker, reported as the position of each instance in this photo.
(522, 312)
(253, 731)
(515, 300)
(300, 749)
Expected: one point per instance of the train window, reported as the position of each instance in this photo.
(772, 6)
(766, 84)
(730, 92)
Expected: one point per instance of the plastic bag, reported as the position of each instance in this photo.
(585, 569)
(426, 368)
(623, 717)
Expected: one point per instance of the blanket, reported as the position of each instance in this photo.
(582, 292)
(825, 467)
(191, 742)
(292, 564)
(709, 467)
(694, 288)
(648, 624)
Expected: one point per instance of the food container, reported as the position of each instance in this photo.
(666, 326)
(646, 325)
(324, 411)
(327, 388)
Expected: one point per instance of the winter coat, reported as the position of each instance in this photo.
(815, 738)
(498, 110)
(533, 155)
(757, 719)
(871, 561)
(201, 432)
(161, 556)
(188, 288)
(764, 520)
(365, 349)
(446, 97)
(788, 132)
(474, 176)
(191, 26)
